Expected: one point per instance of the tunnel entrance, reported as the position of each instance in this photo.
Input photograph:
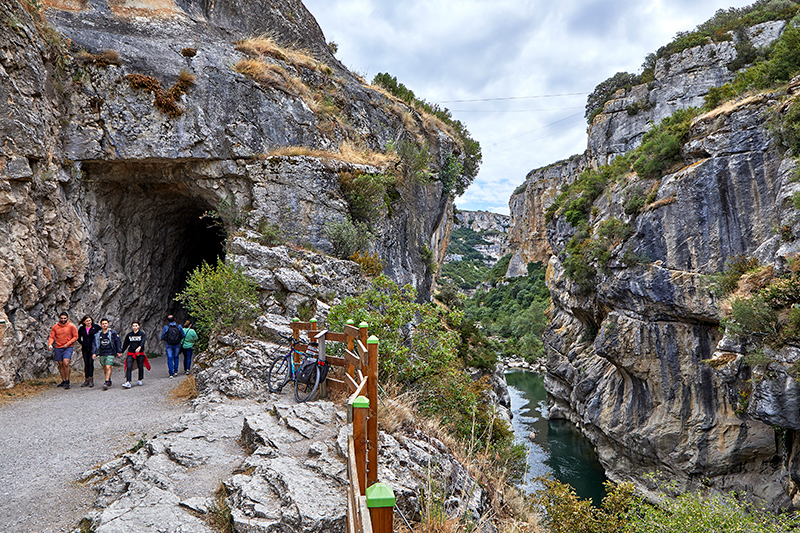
(148, 235)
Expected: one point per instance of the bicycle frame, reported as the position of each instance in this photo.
(292, 364)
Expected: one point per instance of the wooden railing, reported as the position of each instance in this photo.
(369, 503)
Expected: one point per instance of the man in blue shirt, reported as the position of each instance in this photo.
(172, 335)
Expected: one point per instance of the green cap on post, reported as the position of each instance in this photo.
(361, 401)
(314, 320)
(295, 319)
(380, 495)
(350, 322)
(363, 325)
(372, 340)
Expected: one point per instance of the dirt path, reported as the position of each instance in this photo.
(47, 441)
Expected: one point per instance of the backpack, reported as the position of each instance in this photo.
(173, 335)
(306, 373)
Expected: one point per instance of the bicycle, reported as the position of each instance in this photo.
(311, 372)
(283, 368)
(305, 376)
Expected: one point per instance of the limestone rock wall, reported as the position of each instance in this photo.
(636, 358)
(105, 198)
(629, 361)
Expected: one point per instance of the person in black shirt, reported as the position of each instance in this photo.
(134, 344)
(86, 333)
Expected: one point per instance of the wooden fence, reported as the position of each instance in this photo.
(369, 504)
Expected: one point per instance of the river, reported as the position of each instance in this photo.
(558, 447)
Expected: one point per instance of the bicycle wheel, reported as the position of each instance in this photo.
(278, 374)
(305, 391)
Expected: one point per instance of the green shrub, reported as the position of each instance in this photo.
(790, 137)
(419, 352)
(370, 264)
(347, 237)
(661, 146)
(520, 188)
(219, 297)
(727, 281)
(365, 194)
(782, 292)
(566, 513)
(270, 233)
(624, 512)
(634, 203)
(755, 318)
(470, 162)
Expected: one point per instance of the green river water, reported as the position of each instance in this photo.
(558, 447)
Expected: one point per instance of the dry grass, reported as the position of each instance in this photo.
(265, 45)
(749, 283)
(732, 105)
(660, 203)
(28, 388)
(185, 391)
(103, 59)
(348, 153)
(275, 76)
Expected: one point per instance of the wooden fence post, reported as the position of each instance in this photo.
(360, 406)
(380, 502)
(372, 421)
(351, 370)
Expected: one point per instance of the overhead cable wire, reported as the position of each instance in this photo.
(513, 110)
(533, 131)
(512, 98)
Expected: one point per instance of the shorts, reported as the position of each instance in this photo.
(59, 354)
(106, 360)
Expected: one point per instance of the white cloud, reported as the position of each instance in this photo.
(470, 49)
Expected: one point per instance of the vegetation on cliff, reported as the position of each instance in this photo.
(721, 27)
(635, 177)
(624, 511)
(456, 174)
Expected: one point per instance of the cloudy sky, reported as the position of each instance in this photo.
(516, 72)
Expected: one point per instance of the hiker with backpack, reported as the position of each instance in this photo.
(172, 335)
(63, 335)
(106, 345)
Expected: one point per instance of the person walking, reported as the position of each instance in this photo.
(134, 344)
(187, 346)
(172, 335)
(63, 335)
(106, 345)
(85, 338)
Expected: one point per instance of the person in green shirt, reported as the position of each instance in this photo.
(187, 346)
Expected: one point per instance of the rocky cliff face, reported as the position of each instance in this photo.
(124, 123)
(493, 229)
(635, 354)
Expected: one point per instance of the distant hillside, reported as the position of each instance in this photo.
(479, 239)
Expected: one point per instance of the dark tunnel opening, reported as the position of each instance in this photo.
(147, 236)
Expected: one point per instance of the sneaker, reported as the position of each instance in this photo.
(172, 375)
(106, 385)
(91, 382)
(127, 385)
(61, 384)
(187, 372)
(85, 383)
(66, 385)
(139, 383)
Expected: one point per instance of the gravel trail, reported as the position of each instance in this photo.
(48, 440)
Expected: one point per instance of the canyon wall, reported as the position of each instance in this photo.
(636, 357)
(133, 150)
